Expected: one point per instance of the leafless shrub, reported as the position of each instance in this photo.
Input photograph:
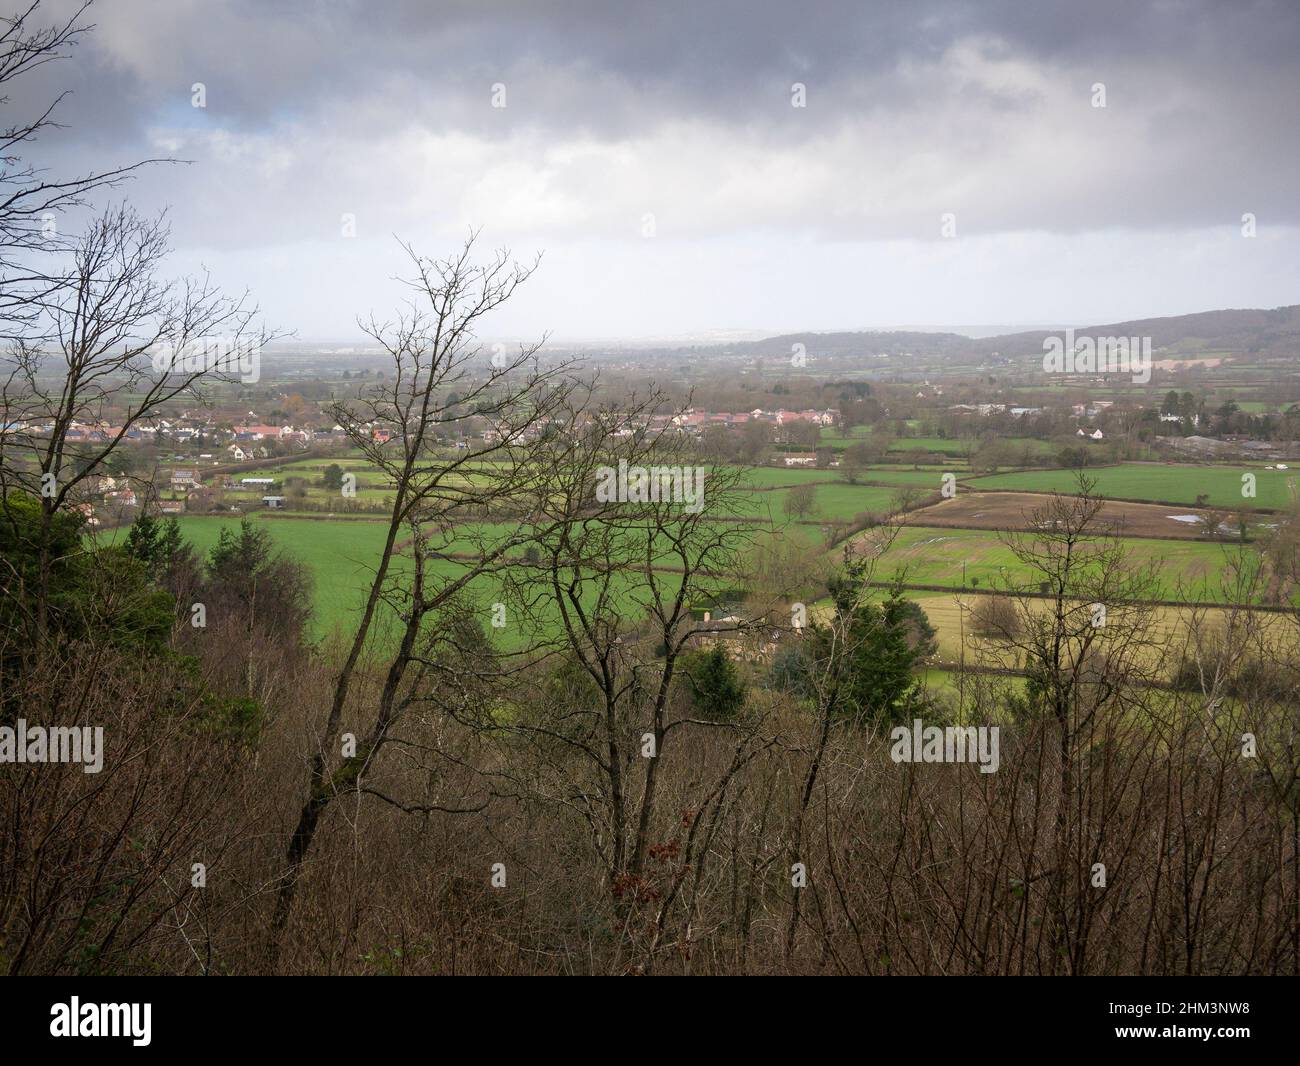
(995, 618)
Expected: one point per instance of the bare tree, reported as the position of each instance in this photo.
(1212, 522)
(829, 662)
(638, 538)
(31, 199)
(112, 344)
(442, 379)
(800, 501)
(1085, 637)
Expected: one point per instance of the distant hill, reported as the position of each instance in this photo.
(1274, 333)
(1270, 333)
(866, 343)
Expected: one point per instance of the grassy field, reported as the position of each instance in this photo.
(767, 477)
(1150, 481)
(833, 501)
(373, 488)
(933, 444)
(341, 557)
(341, 554)
(950, 616)
(937, 556)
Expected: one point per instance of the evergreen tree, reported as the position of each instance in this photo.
(880, 646)
(715, 684)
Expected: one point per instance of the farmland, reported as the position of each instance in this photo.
(832, 501)
(946, 543)
(1015, 510)
(957, 558)
(1167, 482)
(950, 615)
(341, 556)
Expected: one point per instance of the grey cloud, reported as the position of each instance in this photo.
(682, 110)
(729, 60)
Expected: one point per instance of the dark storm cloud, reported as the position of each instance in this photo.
(638, 62)
(1211, 86)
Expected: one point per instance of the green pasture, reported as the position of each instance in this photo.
(1184, 570)
(1160, 482)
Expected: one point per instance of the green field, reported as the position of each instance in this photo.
(833, 501)
(767, 477)
(1185, 570)
(942, 445)
(341, 556)
(1159, 482)
(372, 487)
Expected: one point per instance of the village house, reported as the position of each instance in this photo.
(246, 433)
(696, 422)
(819, 418)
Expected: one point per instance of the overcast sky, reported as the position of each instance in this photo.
(653, 153)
